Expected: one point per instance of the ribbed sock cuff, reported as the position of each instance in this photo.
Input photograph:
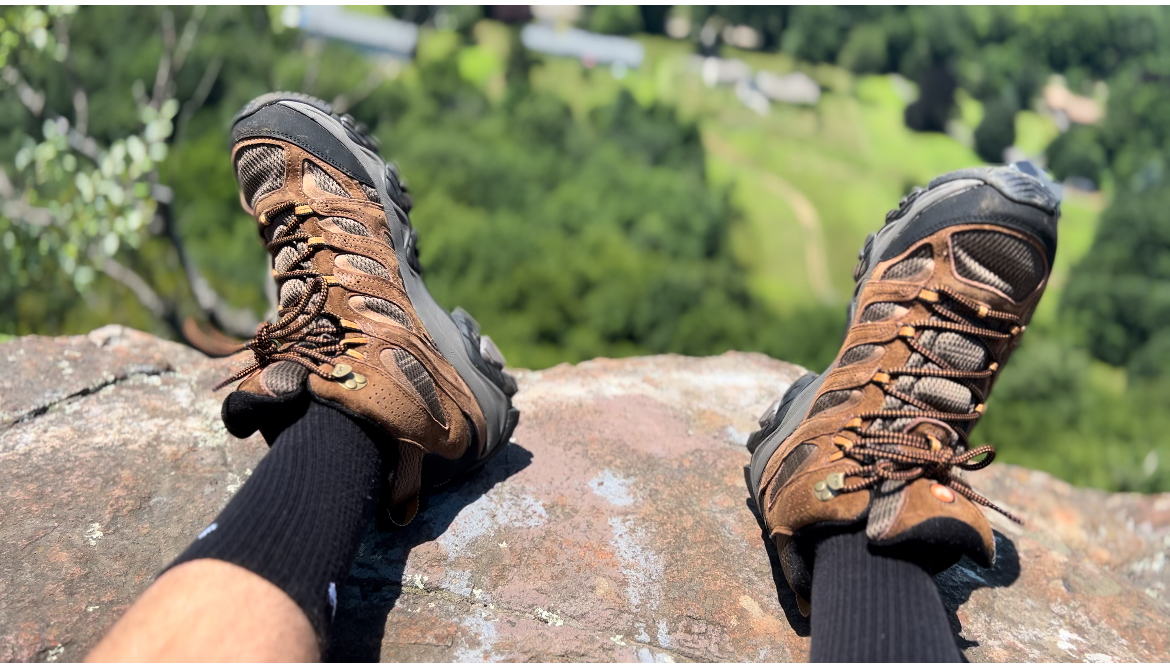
(871, 607)
(298, 519)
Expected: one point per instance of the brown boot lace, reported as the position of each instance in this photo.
(301, 335)
(894, 455)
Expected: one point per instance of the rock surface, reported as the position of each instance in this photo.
(616, 526)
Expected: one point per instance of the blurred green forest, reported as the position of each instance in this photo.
(591, 211)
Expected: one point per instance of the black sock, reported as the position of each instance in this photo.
(298, 519)
(870, 607)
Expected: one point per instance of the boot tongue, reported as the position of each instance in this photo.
(936, 430)
(291, 292)
(959, 352)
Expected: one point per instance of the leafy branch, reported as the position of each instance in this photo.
(83, 203)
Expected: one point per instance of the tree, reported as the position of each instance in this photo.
(997, 130)
(1077, 152)
(815, 32)
(1120, 291)
(80, 198)
(866, 49)
(654, 18)
(936, 99)
(162, 84)
(616, 19)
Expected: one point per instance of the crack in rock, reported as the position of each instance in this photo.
(109, 381)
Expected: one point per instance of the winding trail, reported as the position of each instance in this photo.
(815, 262)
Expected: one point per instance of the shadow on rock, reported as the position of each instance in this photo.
(799, 623)
(375, 579)
(957, 583)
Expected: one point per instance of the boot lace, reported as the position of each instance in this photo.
(302, 335)
(884, 454)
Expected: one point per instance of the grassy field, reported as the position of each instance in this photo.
(812, 182)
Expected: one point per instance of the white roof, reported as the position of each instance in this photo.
(379, 33)
(601, 49)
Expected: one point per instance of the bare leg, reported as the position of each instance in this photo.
(210, 610)
(261, 582)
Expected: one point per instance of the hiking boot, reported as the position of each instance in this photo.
(944, 291)
(355, 327)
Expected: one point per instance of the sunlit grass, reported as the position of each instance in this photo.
(1034, 132)
(851, 156)
(1078, 224)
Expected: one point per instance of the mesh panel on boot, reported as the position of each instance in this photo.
(911, 265)
(885, 505)
(943, 394)
(788, 467)
(260, 170)
(284, 377)
(350, 226)
(959, 350)
(292, 289)
(284, 259)
(291, 292)
(879, 311)
(1000, 260)
(324, 181)
(829, 400)
(422, 381)
(371, 194)
(856, 354)
(365, 264)
(388, 309)
(278, 224)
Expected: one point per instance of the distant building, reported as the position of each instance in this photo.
(791, 88)
(590, 48)
(557, 15)
(720, 71)
(759, 91)
(752, 98)
(380, 34)
(744, 37)
(1067, 107)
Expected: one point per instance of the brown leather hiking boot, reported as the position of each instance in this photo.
(944, 291)
(356, 326)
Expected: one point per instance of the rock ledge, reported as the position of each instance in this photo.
(616, 526)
